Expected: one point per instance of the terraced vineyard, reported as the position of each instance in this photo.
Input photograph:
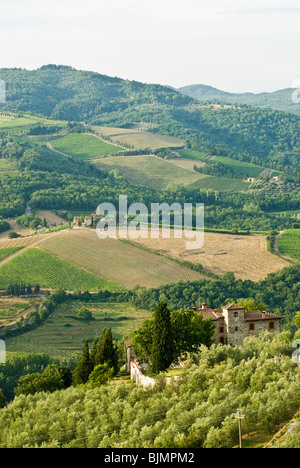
(64, 334)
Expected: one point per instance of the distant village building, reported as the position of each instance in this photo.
(86, 221)
(276, 180)
(233, 324)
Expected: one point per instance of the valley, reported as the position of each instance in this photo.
(68, 297)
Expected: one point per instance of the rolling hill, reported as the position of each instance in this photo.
(261, 136)
(278, 100)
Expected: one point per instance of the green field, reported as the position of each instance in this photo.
(4, 165)
(36, 266)
(4, 253)
(82, 146)
(289, 243)
(192, 154)
(63, 333)
(239, 167)
(149, 171)
(154, 172)
(221, 184)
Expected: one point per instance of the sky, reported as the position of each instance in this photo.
(233, 45)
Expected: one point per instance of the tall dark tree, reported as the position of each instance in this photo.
(3, 401)
(84, 367)
(107, 351)
(163, 346)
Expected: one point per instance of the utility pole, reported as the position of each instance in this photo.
(239, 417)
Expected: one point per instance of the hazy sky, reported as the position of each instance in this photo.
(234, 45)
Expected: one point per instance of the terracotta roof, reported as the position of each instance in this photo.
(259, 315)
(214, 314)
(233, 307)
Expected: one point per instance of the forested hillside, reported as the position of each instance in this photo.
(277, 100)
(54, 182)
(261, 136)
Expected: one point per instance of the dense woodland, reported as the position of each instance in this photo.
(277, 100)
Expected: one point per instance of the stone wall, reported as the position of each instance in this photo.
(138, 377)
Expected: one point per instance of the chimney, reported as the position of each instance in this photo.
(204, 305)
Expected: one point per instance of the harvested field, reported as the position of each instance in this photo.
(246, 256)
(186, 163)
(15, 227)
(51, 218)
(137, 139)
(116, 261)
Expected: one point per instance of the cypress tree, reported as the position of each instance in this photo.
(106, 351)
(162, 346)
(84, 366)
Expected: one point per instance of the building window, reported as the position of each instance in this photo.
(271, 325)
(221, 340)
(235, 314)
(221, 329)
(236, 329)
(251, 326)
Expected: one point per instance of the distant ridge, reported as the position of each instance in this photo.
(278, 100)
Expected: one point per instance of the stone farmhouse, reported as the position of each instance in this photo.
(233, 324)
(87, 221)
